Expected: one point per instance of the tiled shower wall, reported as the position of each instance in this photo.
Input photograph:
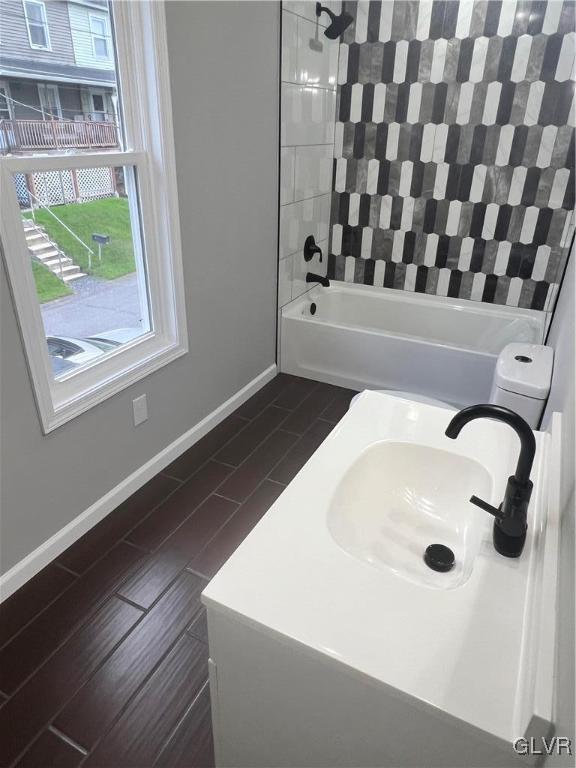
(454, 148)
(308, 100)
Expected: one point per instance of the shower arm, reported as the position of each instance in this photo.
(322, 9)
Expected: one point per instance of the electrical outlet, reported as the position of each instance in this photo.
(140, 407)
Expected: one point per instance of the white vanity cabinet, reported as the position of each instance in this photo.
(275, 703)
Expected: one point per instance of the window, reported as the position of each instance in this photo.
(98, 111)
(5, 108)
(98, 102)
(90, 233)
(49, 101)
(35, 13)
(99, 37)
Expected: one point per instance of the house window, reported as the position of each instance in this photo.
(38, 35)
(99, 36)
(98, 102)
(90, 234)
(49, 101)
(5, 108)
(98, 106)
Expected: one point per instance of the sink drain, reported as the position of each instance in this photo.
(439, 558)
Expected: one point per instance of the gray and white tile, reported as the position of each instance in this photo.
(287, 166)
(298, 220)
(458, 119)
(313, 171)
(317, 56)
(307, 115)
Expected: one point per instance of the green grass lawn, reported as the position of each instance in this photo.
(48, 286)
(110, 216)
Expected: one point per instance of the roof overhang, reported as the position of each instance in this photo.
(57, 73)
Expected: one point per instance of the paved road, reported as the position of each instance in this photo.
(96, 306)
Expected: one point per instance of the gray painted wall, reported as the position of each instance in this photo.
(562, 338)
(225, 86)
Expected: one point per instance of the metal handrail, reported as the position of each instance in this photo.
(58, 249)
(74, 235)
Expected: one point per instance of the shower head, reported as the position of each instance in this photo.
(337, 23)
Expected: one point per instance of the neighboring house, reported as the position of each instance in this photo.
(57, 75)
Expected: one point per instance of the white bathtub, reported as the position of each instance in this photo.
(365, 338)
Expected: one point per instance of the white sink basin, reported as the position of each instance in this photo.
(397, 498)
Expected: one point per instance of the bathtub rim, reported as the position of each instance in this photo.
(421, 299)
(370, 330)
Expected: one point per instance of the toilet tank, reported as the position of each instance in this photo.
(522, 380)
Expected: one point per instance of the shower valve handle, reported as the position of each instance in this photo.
(310, 248)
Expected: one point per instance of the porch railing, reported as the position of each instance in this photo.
(29, 135)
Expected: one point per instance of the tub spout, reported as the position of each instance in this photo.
(312, 278)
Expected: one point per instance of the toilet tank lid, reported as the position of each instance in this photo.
(525, 369)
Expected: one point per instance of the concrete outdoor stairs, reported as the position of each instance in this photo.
(47, 252)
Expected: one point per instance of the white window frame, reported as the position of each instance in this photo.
(94, 35)
(42, 6)
(140, 28)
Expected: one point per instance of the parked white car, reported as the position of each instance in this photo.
(67, 352)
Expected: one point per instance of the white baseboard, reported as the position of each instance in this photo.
(29, 566)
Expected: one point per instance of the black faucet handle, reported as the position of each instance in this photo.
(513, 525)
(310, 248)
(486, 507)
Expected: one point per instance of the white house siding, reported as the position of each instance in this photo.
(14, 41)
(82, 37)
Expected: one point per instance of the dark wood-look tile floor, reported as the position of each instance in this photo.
(103, 655)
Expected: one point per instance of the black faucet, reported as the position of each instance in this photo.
(310, 248)
(509, 533)
(312, 278)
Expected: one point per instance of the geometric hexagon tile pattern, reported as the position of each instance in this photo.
(454, 148)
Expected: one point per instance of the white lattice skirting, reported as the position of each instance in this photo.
(69, 186)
